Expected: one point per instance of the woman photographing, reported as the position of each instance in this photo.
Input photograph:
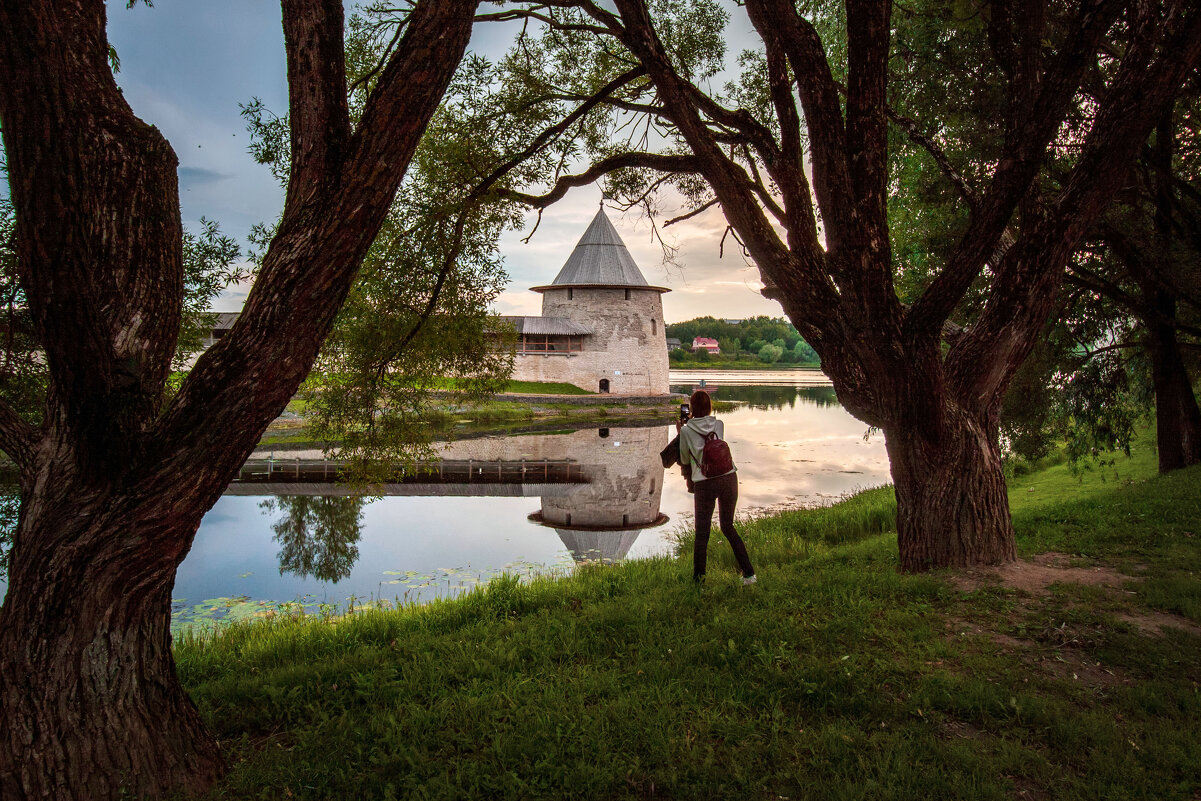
(698, 426)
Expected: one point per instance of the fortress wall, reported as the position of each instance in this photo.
(628, 346)
(553, 367)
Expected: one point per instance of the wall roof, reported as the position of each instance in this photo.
(546, 326)
(225, 320)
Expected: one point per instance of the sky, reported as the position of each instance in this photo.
(186, 66)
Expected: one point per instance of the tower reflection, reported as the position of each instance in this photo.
(599, 519)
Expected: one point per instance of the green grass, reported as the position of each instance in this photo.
(525, 387)
(546, 388)
(834, 677)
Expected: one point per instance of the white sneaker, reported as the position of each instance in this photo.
(749, 580)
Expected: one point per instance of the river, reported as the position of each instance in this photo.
(525, 504)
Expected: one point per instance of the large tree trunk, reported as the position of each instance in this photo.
(952, 505)
(1177, 417)
(114, 485)
(89, 697)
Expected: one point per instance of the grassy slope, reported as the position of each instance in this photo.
(834, 677)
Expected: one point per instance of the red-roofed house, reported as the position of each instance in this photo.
(706, 344)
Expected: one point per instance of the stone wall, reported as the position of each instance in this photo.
(628, 346)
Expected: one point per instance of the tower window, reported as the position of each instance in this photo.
(569, 294)
(654, 326)
(627, 294)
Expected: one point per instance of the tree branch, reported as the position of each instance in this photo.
(650, 161)
(800, 275)
(1158, 60)
(590, 103)
(319, 114)
(867, 137)
(549, 21)
(1019, 162)
(789, 171)
(322, 240)
(911, 130)
(798, 39)
(690, 214)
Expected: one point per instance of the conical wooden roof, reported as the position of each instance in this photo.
(600, 259)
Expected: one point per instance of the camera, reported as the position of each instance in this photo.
(685, 412)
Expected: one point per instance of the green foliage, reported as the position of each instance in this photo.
(751, 333)
(1103, 403)
(742, 342)
(770, 354)
(802, 353)
(926, 214)
(210, 264)
(418, 313)
(1028, 428)
(1059, 394)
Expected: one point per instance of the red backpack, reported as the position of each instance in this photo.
(715, 458)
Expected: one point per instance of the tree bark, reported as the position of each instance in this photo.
(952, 505)
(89, 697)
(1177, 417)
(113, 485)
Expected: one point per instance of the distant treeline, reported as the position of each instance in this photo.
(770, 340)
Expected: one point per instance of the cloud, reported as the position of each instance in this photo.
(195, 176)
(517, 302)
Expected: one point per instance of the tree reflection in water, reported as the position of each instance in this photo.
(318, 536)
(769, 397)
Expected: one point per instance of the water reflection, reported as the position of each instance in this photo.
(601, 518)
(470, 519)
(599, 489)
(767, 397)
(318, 536)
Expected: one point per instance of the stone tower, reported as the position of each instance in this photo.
(601, 297)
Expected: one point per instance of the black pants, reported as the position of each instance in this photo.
(723, 491)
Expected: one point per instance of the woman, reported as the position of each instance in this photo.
(721, 490)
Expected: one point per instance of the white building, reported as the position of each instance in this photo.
(602, 324)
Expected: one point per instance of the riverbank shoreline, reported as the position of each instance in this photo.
(743, 364)
(1071, 675)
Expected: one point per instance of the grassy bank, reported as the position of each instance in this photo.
(531, 387)
(834, 677)
(505, 413)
